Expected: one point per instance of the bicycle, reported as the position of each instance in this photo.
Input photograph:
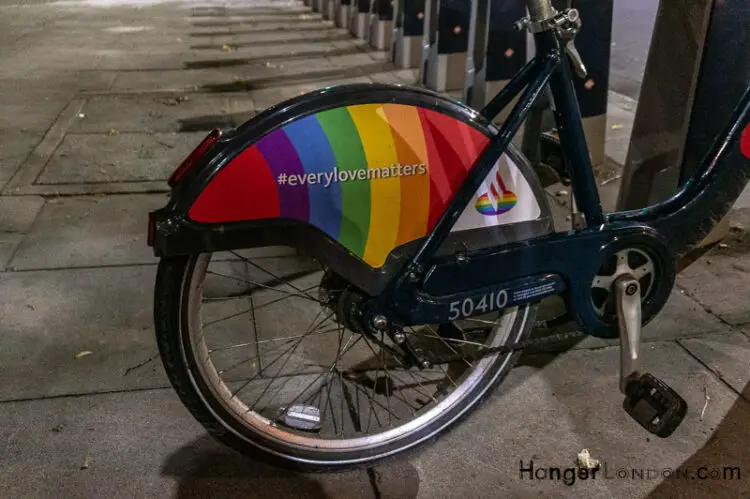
(419, 244)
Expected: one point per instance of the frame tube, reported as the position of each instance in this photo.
(546, 67)
(572, 135)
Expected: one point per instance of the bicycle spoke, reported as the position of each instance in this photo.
(239, 295)
(273, 275)
(329, 403)
(455, 340)
(276, 359)
(435, 335)
(263, 342)
(481, 321)
(395, 392)
(305, 296)
(232, 316)
(316, 379)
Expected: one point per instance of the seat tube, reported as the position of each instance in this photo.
(540, 10)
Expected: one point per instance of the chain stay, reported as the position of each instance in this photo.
(513, 347)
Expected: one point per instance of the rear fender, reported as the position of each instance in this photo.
(355, 176)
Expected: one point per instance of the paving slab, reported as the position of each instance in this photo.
(138, 444)
(49, 317)
(744, 200)
(139, 59)
(720, 280)
(726, 354)
(89, 231)
(14, 150)
(387, 77)
(268, 97)
(289, 9)
(147, 112)
(272, 55)
(119, 157)
(17, 213)
(29, 109)
(240, 39)
(207, 33)
(224, 21)
(549, 415)
(620, 116)
(221, 79)
(8, 244)
(682, 317)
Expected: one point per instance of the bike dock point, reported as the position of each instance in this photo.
(469, 49)
(697, 69)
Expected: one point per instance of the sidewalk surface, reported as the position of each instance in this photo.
(99, 100)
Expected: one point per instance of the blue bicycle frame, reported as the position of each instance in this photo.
(432, 290)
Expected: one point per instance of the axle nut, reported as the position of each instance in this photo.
(380, 322)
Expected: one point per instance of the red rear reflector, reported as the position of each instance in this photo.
(193, 157)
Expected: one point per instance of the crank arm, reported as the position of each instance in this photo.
(649, 400)
(628, 300)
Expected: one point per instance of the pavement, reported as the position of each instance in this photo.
(100, 99)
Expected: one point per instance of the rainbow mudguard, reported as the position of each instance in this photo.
(356, 176)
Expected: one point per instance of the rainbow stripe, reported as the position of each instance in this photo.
(376, 211)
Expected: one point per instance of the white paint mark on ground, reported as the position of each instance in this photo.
(127, 29)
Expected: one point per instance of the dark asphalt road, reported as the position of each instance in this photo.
(631, 36)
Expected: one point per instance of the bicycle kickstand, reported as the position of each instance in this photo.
(648, 400)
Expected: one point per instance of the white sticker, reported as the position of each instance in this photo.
(505, 197)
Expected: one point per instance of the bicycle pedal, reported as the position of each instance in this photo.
(654, 405)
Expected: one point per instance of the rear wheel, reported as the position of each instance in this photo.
(259, 356)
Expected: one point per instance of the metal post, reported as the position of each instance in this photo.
(698, 66)
(445, 44)
(408, 33)
(429, 37)
(360, 21)
(594, 43)
(381, 29)
(330, 10)
(343, 13)
(497, 51)
(475, 88)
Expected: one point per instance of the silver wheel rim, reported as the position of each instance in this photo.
(255, 420)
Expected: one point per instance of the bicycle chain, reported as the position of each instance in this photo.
(513, 347)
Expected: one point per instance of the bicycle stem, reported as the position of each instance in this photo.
(540, 10)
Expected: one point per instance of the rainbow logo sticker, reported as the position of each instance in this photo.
(498, 203)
